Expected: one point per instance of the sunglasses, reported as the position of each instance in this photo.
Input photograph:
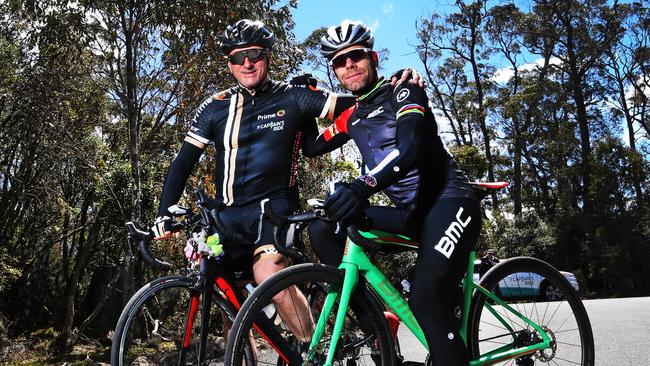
(253, 54)
(355, 55)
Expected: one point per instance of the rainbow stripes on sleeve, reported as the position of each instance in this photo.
(410, 108)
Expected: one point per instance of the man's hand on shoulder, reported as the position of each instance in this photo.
(304, 79)
(410, 75)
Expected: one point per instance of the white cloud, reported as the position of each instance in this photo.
(374, 25)
(502, 76)
(630, 94)
(387, 8)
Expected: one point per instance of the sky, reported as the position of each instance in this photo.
(392, 22)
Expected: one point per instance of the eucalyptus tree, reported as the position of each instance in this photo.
(504, 31)
(457, 42)
(50, 182)
(582, 31)
(626, 72)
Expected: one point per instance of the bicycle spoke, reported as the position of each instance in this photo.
(360, 342)
(563, 323)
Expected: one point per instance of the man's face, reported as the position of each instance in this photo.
(354, 68)
(253, 69)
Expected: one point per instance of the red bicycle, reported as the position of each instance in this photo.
(168, 321)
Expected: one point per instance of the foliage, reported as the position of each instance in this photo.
(470, 160)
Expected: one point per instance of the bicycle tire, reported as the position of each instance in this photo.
(365, 338)
(151, 327)
(566, 320)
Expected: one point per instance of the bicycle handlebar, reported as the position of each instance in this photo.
(287, 249)
(482, 189)
(360, 240)
(208, 214)
(143, 238)
(212, 217)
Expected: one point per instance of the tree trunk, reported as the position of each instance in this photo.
(62, 343)
(575, 83)
(629, 120)
(520, 144)
(106, 292)
(128, 27)
(481, 113)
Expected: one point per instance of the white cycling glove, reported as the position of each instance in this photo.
(161, 227)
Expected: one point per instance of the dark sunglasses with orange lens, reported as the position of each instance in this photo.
(253, 54)
(355, 55)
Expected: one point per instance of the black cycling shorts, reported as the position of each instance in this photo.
(248, 221)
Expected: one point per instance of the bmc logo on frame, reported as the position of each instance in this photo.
(447, 243)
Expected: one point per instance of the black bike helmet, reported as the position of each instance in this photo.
(244, 33)
(347, 34)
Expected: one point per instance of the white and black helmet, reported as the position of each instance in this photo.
(244, 33)
(347, 34)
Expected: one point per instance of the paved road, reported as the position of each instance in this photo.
(621, 330)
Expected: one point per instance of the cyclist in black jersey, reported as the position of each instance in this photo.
(257, 128)
(396, 133)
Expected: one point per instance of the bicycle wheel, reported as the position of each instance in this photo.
(152, 327)
(565, 320)
(365, 338)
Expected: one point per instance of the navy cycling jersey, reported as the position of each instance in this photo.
(257, 140)
(409, 166)
(396, 134)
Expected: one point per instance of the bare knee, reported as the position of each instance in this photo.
(265, 265)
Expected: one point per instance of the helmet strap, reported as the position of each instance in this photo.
(375, 58)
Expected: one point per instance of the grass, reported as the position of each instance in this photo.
(35, 351)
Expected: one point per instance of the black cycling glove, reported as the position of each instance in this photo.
(347, 201)
(304, 79)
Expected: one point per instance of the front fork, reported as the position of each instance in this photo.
(349, 283)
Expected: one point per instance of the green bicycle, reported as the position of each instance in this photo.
(351, 300)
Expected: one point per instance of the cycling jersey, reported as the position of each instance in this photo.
(396, 134)
(413, 166)
(257, 138)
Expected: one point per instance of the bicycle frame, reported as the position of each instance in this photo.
(356, 263)
(208, 274)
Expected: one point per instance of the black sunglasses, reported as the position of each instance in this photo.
(253, 54)
(355, 55)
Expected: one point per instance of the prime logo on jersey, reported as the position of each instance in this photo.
(264, 117)
(269, 123)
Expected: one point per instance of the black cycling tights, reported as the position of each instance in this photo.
(448, 232)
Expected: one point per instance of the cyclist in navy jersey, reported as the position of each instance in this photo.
(396, 134)
(257, 128)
